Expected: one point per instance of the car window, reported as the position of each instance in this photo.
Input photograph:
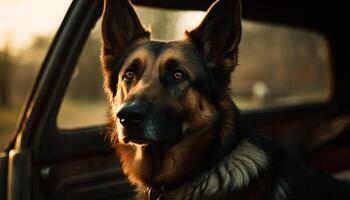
(278, 66)
(26, 30)
(84, 103)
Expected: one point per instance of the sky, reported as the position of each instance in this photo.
(20, 20)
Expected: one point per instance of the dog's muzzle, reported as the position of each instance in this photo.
(132, 118)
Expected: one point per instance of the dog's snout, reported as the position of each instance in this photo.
(131, 115)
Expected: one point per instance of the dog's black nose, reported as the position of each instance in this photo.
(131, 115)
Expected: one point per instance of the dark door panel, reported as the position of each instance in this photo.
(95, 177)
(3, 175)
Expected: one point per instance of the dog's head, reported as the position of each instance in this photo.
(157, 88)
(165, 92)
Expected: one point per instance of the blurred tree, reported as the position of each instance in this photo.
(35, 52)
(29, 60)
(6, 64)
(86, 82)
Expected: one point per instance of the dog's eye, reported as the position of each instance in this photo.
(178, 74)
(129, 75)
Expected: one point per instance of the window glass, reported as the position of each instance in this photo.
(85, 103)
(26, 30)
(277, 66)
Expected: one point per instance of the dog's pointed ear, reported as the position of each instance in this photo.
(120, 26)
(219, 33)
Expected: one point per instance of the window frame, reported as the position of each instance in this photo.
(37, 129)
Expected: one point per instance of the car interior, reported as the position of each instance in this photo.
(54, 157)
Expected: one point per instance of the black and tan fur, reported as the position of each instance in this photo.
(172, 120)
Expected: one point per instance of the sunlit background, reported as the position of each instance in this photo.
(278, 65)
(23, 20)
(26, 30)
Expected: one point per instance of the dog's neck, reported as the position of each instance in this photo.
(234, 172)
(230, 164)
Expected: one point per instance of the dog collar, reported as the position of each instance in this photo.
(155, 193)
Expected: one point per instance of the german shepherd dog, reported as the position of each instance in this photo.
(174, 125)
